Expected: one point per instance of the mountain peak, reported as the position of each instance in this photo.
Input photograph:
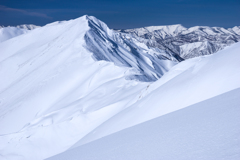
(164, 30)
(169, 27)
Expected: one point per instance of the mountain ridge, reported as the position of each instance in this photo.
(172, 40)
(23, 26)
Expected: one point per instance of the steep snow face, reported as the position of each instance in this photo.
(124, 50)
(173, 39)
(207, 130)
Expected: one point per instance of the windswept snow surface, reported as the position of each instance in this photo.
(69, 83)
(208, 130)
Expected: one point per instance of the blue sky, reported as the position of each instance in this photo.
(125, 13)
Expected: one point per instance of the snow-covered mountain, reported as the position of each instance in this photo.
(187, 42)
(27, 26)
(70, 83)
(13, 31)
(60, 68)
(149, 64)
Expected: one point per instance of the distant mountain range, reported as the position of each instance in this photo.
(177, 42)
(23, 26)
(187, 42)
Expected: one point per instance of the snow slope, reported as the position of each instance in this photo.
(187, 83)
(207, 130)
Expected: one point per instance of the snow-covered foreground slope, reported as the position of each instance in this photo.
(208, 130)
